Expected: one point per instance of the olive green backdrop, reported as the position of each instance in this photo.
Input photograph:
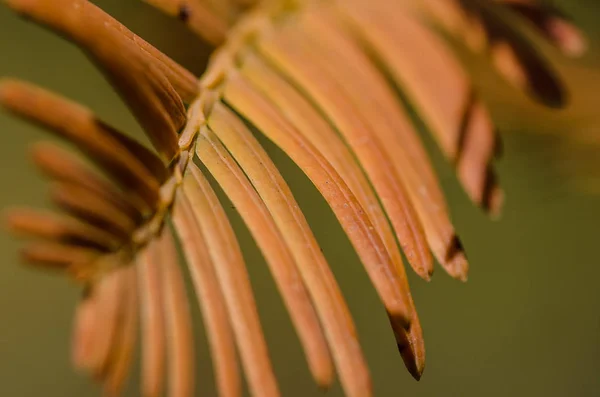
(527, 322)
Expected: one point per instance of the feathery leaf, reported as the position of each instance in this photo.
(326, 81)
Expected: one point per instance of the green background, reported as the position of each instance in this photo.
(526, 323)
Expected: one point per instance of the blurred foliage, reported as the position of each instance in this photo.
(526, 323)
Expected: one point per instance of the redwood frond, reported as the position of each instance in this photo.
(151, 290)
(61, 229)
(290, 55)
(106, 297)
(307, 120)
(142, 77)
(56, 256)
(540, 78)
(63, 166)
(258, 166)
(79, 126)
(88, 207)
(180, 341)
(478, 148)
(224, 315)
(391, 127)
(513, 54)
(148, 158)
(97, 323)
(269, 239)
(439, 94)
(84, 332)
(551, 23)
(121, 355)
(262, 114)
(199, 17)
(230, 266)
(340, 87)
(295, 232)
(443, 96)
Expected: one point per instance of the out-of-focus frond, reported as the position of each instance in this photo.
(319, 78)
